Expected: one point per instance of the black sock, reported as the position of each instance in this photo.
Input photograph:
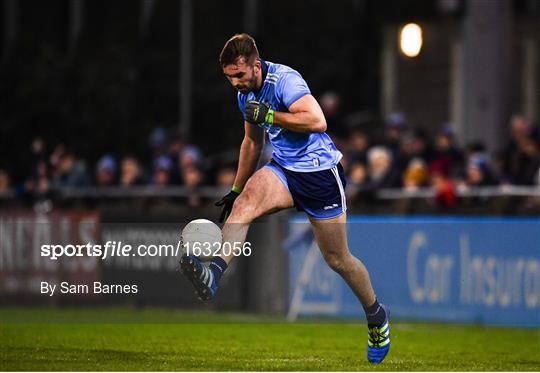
(218, 267)
(375, 314)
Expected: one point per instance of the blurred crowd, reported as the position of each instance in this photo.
(174, 163)
(409, 159)
(401, 156)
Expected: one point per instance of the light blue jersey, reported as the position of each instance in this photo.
(300, 152)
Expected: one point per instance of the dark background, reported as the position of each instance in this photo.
(106, 91)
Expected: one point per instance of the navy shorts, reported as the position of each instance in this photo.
(321, 194)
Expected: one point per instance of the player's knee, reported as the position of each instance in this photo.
(337, 262)
(243, 211)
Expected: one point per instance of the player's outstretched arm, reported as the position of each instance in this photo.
(305, 115)
(250, 152)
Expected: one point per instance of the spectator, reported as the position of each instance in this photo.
(357, 174)
(525, 162)
(55, 158)
(413, 145)
(406, 152)
(447, 158)
(162, 171)
(190, 157)
(415, 175)
(193, 178)
(381, 173)
(476, 148)
(4, 182)
(479, 173)
(225, 177)
(445, 190)
(69, 172)
(39, 183)
(359, 144)
(356, 179)
(176, 146)
(520, 130)
(131, 173)
(106, 171)
(175, 149)
(421, 147)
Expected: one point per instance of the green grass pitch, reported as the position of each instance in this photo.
(126, 339)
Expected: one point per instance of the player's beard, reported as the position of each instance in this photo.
(251, 86)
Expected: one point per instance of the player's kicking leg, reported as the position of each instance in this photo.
(331, 236)
(264, 192)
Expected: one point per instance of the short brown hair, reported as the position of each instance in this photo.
(240, 45)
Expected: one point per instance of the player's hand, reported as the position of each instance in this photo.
(259, 113)
(227, 202)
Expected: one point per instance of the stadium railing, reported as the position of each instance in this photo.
(495, 191)
(216, 192)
